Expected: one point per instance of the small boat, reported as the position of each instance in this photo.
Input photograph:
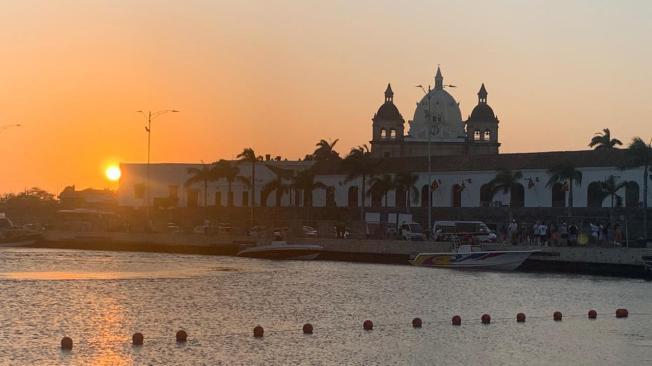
(282, 250)
(12, 236)
(472, 257)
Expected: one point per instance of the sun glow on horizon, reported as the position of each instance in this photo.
(113, 173)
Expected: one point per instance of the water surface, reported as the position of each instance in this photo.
(101, 298)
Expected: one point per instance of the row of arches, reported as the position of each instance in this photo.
(516, 196)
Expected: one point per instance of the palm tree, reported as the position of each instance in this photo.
(603, 140)
(249, 156)
(360, 164)
(565, 173)
(305, 182)
(204, 174)
(381, 185)
(279, 184)
(610, 188)
(406, 182)
(506, 181)
(224, 169)
(326, 151)
(639, 154)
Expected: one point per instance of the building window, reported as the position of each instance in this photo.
(218, 198)
(173, 191)
(139, 191)
(517, 196)
(594, 195)
(353, 197)
(193, 198)
(631, 194)
(330, 197)
(456, 200)
(487, 135)
(245, 198)
(383, 133)
(392, 134)
(486, 193)
(477, 136)
(558, 195)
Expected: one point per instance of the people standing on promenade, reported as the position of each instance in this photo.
(572, 235)
(618, 236)
(513, 232)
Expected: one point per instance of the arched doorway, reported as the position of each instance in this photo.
(632, 194)
(558, 195)
(486, 195)
(517, 196)
(399, 198)
(424, 195)
(594, 195)
(376, 199)
(456, 200)
(353, 197)
(330, 197)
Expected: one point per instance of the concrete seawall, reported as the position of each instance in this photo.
(589, 260)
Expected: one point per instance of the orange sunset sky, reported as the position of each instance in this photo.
(280, 75)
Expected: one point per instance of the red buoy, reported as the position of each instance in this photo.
(486, 319)
(557, 316)
(622, 313)
(593, 314)
(66, 343)
(416, 322)
(182, 336)
(457, 320)
(258, 331)
(520, 317)
(368, 325)
(137, 339)
(307, 328)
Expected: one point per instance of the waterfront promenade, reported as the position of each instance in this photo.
(592, 260)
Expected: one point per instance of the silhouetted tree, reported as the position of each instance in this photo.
(360, 164)
(506, 181)
(249, 156)
(565, 173)
(639, 154)
(603, 140)
(224, 169)
(204, 174)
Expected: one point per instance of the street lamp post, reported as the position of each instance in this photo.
(429, 125)
(150, 116)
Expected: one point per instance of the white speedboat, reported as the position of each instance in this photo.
(282, 250)
(472, 257)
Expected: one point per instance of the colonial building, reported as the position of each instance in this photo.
(464, 158)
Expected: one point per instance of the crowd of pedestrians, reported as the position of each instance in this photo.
(548, 233)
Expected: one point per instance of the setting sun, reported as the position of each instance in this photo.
(113, 173)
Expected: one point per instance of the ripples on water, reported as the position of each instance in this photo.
(101, 298)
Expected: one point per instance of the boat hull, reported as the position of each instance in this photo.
(288, 252)
(497, 260)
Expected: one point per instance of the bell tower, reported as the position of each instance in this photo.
(482, 127)
(388, 128)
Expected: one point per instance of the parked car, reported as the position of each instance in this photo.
(173, 228)
(412, 231)
(448, 230)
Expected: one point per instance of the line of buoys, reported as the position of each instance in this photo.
(66, 343)
(137, 339)
(182, 336)
(622, 313)
(368, 325)
(456, 320)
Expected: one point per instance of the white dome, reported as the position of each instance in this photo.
(445, 112)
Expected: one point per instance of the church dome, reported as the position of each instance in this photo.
(444, 111)
(388, 111)
(482, 112)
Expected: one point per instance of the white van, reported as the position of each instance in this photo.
(411, 231)
(447, 230)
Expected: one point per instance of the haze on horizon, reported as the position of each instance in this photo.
(280, 75)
